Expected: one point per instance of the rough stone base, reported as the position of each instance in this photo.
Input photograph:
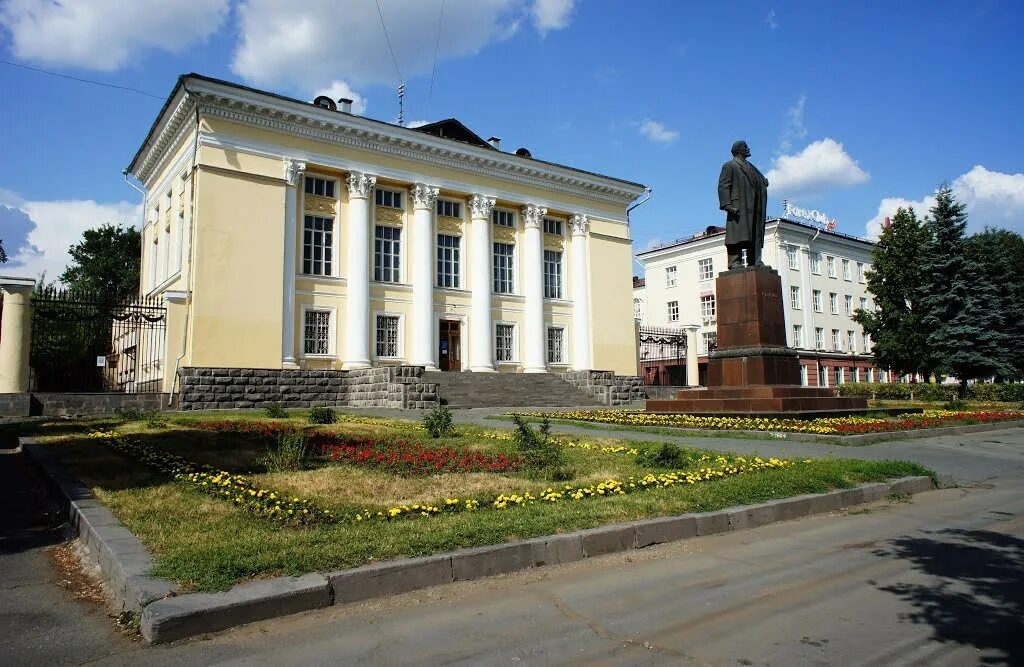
(607, 387)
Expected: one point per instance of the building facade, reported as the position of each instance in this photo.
(823, 284)
(285, 234)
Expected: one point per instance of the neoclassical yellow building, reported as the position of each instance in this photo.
(288, 234)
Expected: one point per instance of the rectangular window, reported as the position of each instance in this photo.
(504, 341)
(388, 198)
(322, 187)
(798, 335)
(503, 271)
(863, 303)
(670, 276)
(673, 311)
(865, 343)
(794, 257)
(317, 246)
(387, 335)
(708, 307)
(707, 340)
(838, 371)
(833, 302)
(816, 263)
(816, 297)
(846, 269)
(552, 274)
(448, 260)
(556, 345)
(154, 249)
(851, 341)
(503, 218)
(830, 263)
(167, 250)
(819, 338)
(552, 226)
(449, 209)
(860, 272)
(848, 304)
(837, 343)
(794, 297)
(705, 269)
(316, 335)
(386, 254)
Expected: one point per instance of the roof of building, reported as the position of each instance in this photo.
(450, 129)
(718, 231)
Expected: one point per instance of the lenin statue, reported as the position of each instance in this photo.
(743, 195)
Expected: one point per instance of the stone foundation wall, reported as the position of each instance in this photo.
(14, 405)
(61, 404)
(607, 387)
(234, 388)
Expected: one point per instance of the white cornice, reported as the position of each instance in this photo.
(292, 117)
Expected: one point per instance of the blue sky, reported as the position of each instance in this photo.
(847, 109)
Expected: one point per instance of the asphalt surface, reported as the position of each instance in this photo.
(936, 580)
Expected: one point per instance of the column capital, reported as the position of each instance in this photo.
(579, 224)
(533, 215)
(480, 206)
(293, 170)
(360, 185)
(423, 195)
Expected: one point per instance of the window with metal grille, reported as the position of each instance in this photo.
(708, 307)
(504, 342)
(552, 226)
(318, 245)
(503, 268)
(503, 218)
(317, 332)
(448, 260)
(324, 187)
(670, 276)
(389, 198)
(705, 269)
(552, 274)
(794, 297)
(673, 311)
(556, 345)
(448, 208)
(387, 335)
(386, 254)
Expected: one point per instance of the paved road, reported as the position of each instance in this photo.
(938, 580)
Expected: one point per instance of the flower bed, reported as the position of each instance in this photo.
(412, 458)
(827, 426)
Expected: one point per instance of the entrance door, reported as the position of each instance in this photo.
(449, 351)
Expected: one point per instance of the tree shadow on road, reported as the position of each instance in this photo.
(975, 595)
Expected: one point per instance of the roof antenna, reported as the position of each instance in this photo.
(401, 104)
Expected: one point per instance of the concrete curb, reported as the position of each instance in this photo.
(169, 617)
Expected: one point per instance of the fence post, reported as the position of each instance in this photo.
(15, 334)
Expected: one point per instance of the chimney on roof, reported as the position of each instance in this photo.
(344, 105)
(495, 142)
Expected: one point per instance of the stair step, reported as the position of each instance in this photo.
(475, 390)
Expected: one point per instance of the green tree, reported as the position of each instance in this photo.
(996, 257)
(106, 261)
(3, 253)
(899, 341)
(963, 330)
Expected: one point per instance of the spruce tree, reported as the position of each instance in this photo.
(998, 255)
(898, 339)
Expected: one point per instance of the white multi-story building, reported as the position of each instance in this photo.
(823, 284)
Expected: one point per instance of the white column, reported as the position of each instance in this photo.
(581, 356)
(422, 240)
(357, 304)
(533, 342)
(692, 367)
(15, 334)
(481, 343)
(293, 172)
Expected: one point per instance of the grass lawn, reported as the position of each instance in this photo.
(208, 543)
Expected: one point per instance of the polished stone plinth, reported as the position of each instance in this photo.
(753, 372)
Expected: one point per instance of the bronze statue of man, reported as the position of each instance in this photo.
(743, 195)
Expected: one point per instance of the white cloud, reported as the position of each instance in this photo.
(992, 198)
(823, 164)
(417, 123)
(794, 130)
(339, 89)
(57, 226)
(106, 34)
(657, 132)
(552, 14)
(311, 42)
(771, 20)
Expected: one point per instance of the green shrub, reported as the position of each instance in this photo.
(286, 453)
(541, 453)
(665, 456)
(438, 422)
(154, 419)
(926, 391)
(955, 404)
(129, 414)
(275, 411)
(322, 415)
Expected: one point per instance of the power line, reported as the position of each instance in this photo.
(433, 71)
(75, 78)
(388, 38)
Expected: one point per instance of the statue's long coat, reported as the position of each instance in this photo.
(745, 189)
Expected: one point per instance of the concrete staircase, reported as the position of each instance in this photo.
(507, 390)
